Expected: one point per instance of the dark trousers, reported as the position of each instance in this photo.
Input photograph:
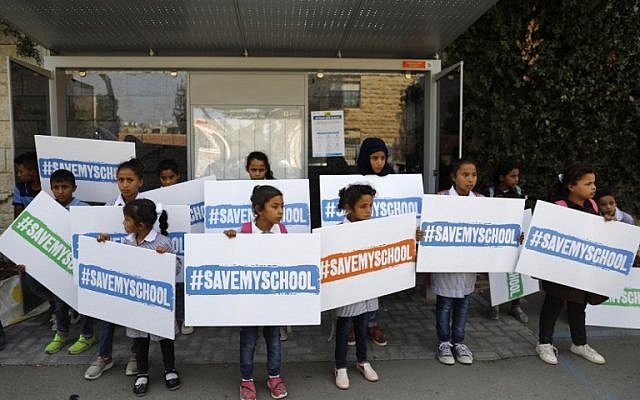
(141, 348)
(63, 320)
(3, 339)
(248, 339)
(551, 308)
(343, 327)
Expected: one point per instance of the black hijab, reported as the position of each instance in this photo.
(368, 147)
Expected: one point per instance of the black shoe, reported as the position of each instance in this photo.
(141, 385)
(172, 379)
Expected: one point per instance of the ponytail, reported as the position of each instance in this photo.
(163, 223)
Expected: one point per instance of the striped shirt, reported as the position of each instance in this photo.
(360, 307)
(152, 241)
(456, 284)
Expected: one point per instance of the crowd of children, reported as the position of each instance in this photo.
(355, 322)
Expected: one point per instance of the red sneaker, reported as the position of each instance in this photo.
(247, 390)
(277, 388)
(376, 335)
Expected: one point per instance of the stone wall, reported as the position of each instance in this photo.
(7, 49)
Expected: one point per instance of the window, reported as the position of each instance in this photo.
(145, 107)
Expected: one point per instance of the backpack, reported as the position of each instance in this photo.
(592, 201)
(247, 227)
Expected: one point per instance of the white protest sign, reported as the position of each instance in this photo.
(620, 311)
(92, 221)
(505, 287)
(127, 286)
(252, 280)
(39, 238)
(367, 259)
(327, 133)
(580, 250)
(469, 234)
(395, 195)
(228, 204)
(94, 164)
(190, 193)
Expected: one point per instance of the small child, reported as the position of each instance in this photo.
(130, 179)
(268, 208)
(506, 180)
(576, 189)
(25, 190)
(63, 185)
(139, 217)
(169, 175)
(609, 207)
(258, 166)
(453, 289)
(168, 172)
(28, 182)
(357, 202)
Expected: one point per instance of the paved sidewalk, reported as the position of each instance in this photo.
(405, 317)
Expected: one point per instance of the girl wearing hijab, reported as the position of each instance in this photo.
(372, 160)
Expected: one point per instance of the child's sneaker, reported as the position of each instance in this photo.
(97, 367)
(588, 353)
(547, 353)
(342, 378)
(463, 354)
(186, 329)
(56, 344)
(247, 390)
(82, 344)
(518, 313)
(376, 335)
(132, 366)
(444, 353)
(367, 371)
(277, 387)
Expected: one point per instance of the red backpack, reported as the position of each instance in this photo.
(247, 227)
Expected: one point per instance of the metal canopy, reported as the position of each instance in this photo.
(292, 28)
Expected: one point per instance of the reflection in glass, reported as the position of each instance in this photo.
(224, 136)
(145, 107)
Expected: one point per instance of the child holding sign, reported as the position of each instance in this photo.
(139, 217)
(267, 205)
(576, 189)
(357, 203)
(63, 184)
(130, 179)
(507, 177)
(453, 289)
(169, 175)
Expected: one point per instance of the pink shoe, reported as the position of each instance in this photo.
(277, 387)
(247, 390)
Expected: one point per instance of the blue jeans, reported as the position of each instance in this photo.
(248, 339)
(105, 340)
(63, 320)
(451, 317)
(343, 326)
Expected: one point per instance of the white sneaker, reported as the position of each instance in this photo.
(284, 335)
(342, 379)
(588, 353)
(367, 371)
(186, 330)
(463, 354)
(547, 353)
(444, 353)
(132, 366)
